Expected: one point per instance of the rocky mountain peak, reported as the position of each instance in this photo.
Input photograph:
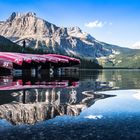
(28, 24)
(77, 32)
(16, 15)
(13, 16)
(42, 34)
(75, 29)
(32, 14)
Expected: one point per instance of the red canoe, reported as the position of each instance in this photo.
(18, 58)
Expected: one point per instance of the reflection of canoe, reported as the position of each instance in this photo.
(20, 60)
(18, 85)
(13, 83)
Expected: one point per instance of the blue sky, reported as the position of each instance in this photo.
(112, 21)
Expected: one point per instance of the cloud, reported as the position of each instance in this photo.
(94, 117)
(98, 24)
(95, 24)
(136, 45)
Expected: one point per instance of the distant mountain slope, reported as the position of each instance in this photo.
(8, 46)
(40, 34)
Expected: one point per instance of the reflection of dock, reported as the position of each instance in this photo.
(11, 82)
(35, 105)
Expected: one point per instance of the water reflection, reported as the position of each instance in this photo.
(33, 105)
(89, 80)
(111, 79)
(82, 112)
(27, 99)
(11, 82)
(121, 79)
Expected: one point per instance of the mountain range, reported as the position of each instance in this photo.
(40, 34)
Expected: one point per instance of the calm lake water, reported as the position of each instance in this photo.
(85, 105)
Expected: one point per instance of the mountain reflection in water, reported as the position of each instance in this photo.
(65, 107)
(26, 99)
(33, 105)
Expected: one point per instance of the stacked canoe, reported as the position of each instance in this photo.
(26, 61)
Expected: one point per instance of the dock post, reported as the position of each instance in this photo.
(51, 71)
(33, 72)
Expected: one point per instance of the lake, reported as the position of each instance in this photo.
(84, 105)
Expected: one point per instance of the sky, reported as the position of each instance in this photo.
(112, 21)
